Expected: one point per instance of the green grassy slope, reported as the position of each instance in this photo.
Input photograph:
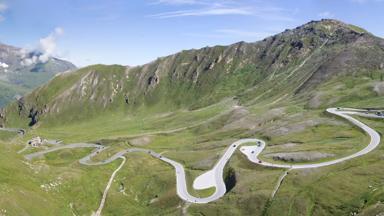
(190, 107)
(8, 92)
(146, 186)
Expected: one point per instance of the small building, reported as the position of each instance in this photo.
(35, 142)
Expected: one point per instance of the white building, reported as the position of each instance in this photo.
(35, 142)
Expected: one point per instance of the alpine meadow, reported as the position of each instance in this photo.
(290, 124)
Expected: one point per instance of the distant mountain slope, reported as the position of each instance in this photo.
(21, 72)
(290, 65)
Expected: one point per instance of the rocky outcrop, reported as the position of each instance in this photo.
(33, 115)
(379, 88)
(2, 118)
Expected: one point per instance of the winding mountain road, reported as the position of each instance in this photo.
(16, 130)
(214, 177)
(253, 151)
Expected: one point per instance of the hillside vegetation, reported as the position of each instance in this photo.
(190, 106)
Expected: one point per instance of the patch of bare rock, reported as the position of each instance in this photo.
(379, 88)
(140, 141)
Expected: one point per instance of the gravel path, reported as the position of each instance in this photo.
(102, 202)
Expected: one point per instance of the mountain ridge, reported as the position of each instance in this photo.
(22, 71)
(297, 60)
(192, 106)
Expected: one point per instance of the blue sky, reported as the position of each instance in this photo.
(133, 32)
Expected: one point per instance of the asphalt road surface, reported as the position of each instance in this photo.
(214, 177)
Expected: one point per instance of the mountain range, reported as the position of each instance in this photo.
(293, 65)
(189, 107)
(22, 71)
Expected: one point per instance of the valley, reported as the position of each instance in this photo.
(213, 178)
(186, 114)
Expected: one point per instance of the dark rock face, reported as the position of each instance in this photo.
(126, 99)
(297, 44)
(230, 179)
(33, 115)
(153, 80)
(20, 106)
(2, 118)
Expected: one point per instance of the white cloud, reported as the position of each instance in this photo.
(366, 1)
(195, 8)
(3, 7)
(195, 2)
(48, 44)
(47, 48)
(326, 14)
(29, 60)
(204, 12)
(177, 2)
(3, 65)
(198, 2)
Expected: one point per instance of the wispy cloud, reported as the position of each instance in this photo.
(366, 1)
(196, 2)
(3, 9)
(178, 2)
(326, 14)
(204, 12)
(236, 34)
(220, 8)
